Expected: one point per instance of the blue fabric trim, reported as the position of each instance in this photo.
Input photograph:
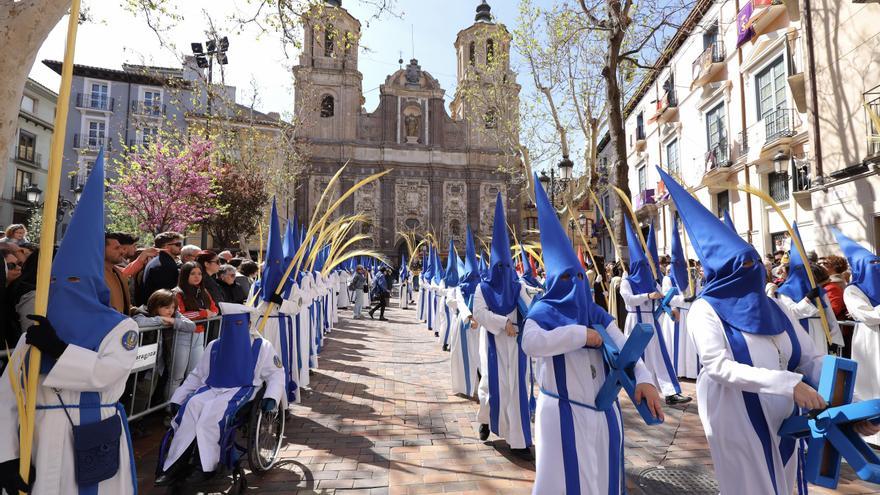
(285, 360)
(522, 363)
(89, 413)
(675, 333)
(568, 438)
(565, 399)
(448, 325)
(663, 352)
(463, 348)
(494, 400)
(431, 311)
(615, 453)
(299, 365)
(242, 395)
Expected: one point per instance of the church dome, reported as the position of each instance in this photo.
(483, 12)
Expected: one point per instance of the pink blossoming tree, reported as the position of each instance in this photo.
(164, 186)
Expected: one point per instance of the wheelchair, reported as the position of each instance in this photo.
(252, 434)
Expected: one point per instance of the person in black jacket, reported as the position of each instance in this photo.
(162, 271)
(233, 292)
(382, 290)
(210, 264)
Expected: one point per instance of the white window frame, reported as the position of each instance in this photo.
(87, 90)
(142, 100)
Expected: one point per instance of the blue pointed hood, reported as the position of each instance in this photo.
(404, 269)
(797, 283)
(728, 221)
(679, 271)
(289, 248)
(733, 289)
(79, 300)
(639, 274)
(484, 265)
(233, 355)
(273, 269)
(439, 272)
(451, 278)
(500, 287)
(426, 265)
(566, 299)
(651, 241)
(864, 264)
(528, 275)
(471, 275)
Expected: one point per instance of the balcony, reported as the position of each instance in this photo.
(20, 195)
(641, 141)
(667, 109)
(27, 156)
(84, 142)
(718, 163)
(644, 203)
(147, 109)
(91, 101)
(796, 81)
(801, 181)
(708, 64)
(773, 133)
(765, 15)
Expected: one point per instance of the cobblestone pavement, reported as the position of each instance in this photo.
(380, 419)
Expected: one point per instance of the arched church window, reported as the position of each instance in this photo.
(472, 53)
(327, 106)
(490, 50)
(329, 40)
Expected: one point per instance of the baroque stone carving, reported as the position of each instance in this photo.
(367, 201)
(318, 183)
(488, 192)
(411, 205)
(454, 211)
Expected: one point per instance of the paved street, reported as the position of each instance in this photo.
(380, 419)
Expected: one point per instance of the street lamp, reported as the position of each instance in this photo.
(33, 193)
(582, 220)
(780, 162)
(566, 167)
(551, 183)
(214, 48)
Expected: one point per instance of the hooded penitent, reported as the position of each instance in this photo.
(470, 277)
(428, 272)
(865, 267)
(79, 300)
(233, 356)
(439, 272)
(272, 269)
(728, 221)
(651, 241)
(566, 299)
(679, 271)
(404, 269)
(451, 277)
(500, 288)
(640, 277)
(528, 275)
(734, 283)
(797, 284)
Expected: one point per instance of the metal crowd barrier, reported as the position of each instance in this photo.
(147, 389)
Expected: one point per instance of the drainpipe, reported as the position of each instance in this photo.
(814, 97)
(742, 116)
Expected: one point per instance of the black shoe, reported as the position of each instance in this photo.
(383, 319)
(524, 454)
(677, 399)
(199, 476)
(165, 479)
(446, 347)
(371, 316)
(484, 432)
(436, 334)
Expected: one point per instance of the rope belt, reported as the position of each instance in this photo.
(570, 401)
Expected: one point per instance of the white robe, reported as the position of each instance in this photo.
(203, 407)
(658, 358)
(736, 448)
(403, 297)
(77, 370)
(805, 311)
(679, 342)
(421, 305)
(444, 314)
(587, 449)
(342, 298)
(280, 331)
(865, 346)
(464, 346)
(510, 368)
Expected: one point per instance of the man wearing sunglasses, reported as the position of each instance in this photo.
(162, 271)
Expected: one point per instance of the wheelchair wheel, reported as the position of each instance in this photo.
(265, 433)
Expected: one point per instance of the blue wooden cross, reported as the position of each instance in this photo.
(664, 306)
(829, 432)
(621, 369)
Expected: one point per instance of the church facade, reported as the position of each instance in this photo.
(446, 167)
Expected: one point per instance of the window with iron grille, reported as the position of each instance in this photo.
(531, 223)
(778, 182)
(716, 133)
(22, 180)
(771, 86)
(643, 178)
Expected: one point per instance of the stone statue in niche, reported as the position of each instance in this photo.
(412, 122)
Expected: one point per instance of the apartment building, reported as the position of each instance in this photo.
(729, 104)
(29, 154)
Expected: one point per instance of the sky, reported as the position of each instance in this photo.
(425, 29)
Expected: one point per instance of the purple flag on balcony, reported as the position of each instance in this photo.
(744, 31)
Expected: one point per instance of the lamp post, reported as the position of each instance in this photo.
(551, 183)
(780, 162)
(34, 193)
(214, 48)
